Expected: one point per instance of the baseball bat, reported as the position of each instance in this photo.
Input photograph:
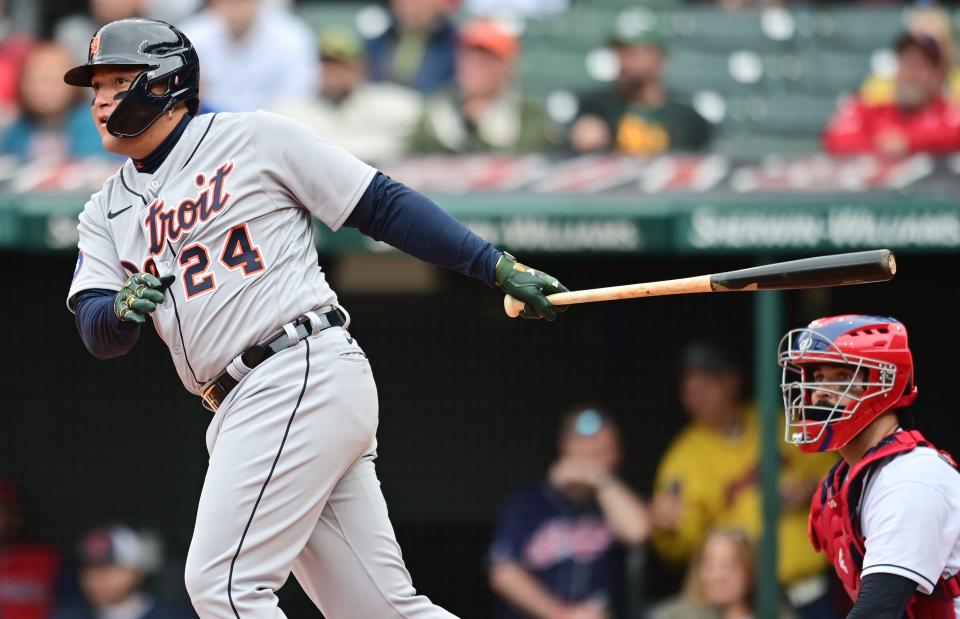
(863, 267)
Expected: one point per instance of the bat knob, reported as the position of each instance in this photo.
(512, 306)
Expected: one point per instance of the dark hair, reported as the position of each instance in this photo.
(711, 358)
(905, 418)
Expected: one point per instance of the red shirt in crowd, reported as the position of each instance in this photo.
(28, 577)
(857, 128)
(13, 52)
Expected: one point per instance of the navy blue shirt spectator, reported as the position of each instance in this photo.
(419, 48)
(558, 550)
(114, 561)
(566, 546)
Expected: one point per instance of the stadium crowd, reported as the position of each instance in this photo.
(434, 77)
(438, 78)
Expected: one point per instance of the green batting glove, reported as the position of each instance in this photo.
(140, 296)
(530, 286)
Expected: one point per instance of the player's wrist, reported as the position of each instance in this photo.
(505, 264)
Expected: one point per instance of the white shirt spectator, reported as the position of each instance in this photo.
(911, 519)
(373, 123)
(276, 60)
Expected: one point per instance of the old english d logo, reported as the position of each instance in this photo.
(94, 45)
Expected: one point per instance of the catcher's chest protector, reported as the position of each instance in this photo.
(835, 525)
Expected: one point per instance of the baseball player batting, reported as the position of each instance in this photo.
(887, 516)
(206, 230)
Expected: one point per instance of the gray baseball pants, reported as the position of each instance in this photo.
(291, 486)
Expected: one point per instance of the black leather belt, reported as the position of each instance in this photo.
(215, 393)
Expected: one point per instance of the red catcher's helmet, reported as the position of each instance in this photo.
(875, 348)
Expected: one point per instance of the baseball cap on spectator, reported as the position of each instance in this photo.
(491, 36)
(585, 420)
(927, 44)
(119, 545)
(632, 33)
(709, 358)
(341, 45)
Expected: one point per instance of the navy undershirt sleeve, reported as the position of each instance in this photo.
(883, 596)
(104, 335)
(390, 211)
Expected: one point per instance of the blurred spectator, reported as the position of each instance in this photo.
(252, 55)
(919, 119)
(720, 581)
(13, 51)
(557, 551)
(371, 120)
(933, 22)
(525, 8)
(28, 572)
(51, 122)
(709, 478)
(74, 31)
(483, 112)
(114, 561)
(418, 48)
(638, 115)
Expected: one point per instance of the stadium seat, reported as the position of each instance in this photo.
(578, 29)
(545, 70)
(657, 5)
(756, 146)
(832, 73)
(782, 114)
(321, 16)
(857, 29)
(690, 71)
(723, 31)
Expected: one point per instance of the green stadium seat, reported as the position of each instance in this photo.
(690, 71)
(780, 114)
(323, 15)
(656, 5)
(721, 31)
(832, 73)
(754, 146)
(578, 29)
(545, 70)
(857, 29)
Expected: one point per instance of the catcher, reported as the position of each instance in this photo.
(887, 515)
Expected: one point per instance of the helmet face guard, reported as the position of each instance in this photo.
(139, 107)
(825, 415)
(808, 417)
(161, 53)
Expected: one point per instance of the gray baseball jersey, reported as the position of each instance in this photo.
(228, 212)
(290, 485)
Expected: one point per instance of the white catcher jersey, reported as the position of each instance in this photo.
(228, 212)
(910, 515)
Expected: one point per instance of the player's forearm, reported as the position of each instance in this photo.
(882, 596)
(391, 212)
(104, 335)
(524, 591)
(624, 511)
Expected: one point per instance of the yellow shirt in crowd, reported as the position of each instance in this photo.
(718, 477)
(877, 90)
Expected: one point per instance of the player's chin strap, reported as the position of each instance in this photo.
(289, 335)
